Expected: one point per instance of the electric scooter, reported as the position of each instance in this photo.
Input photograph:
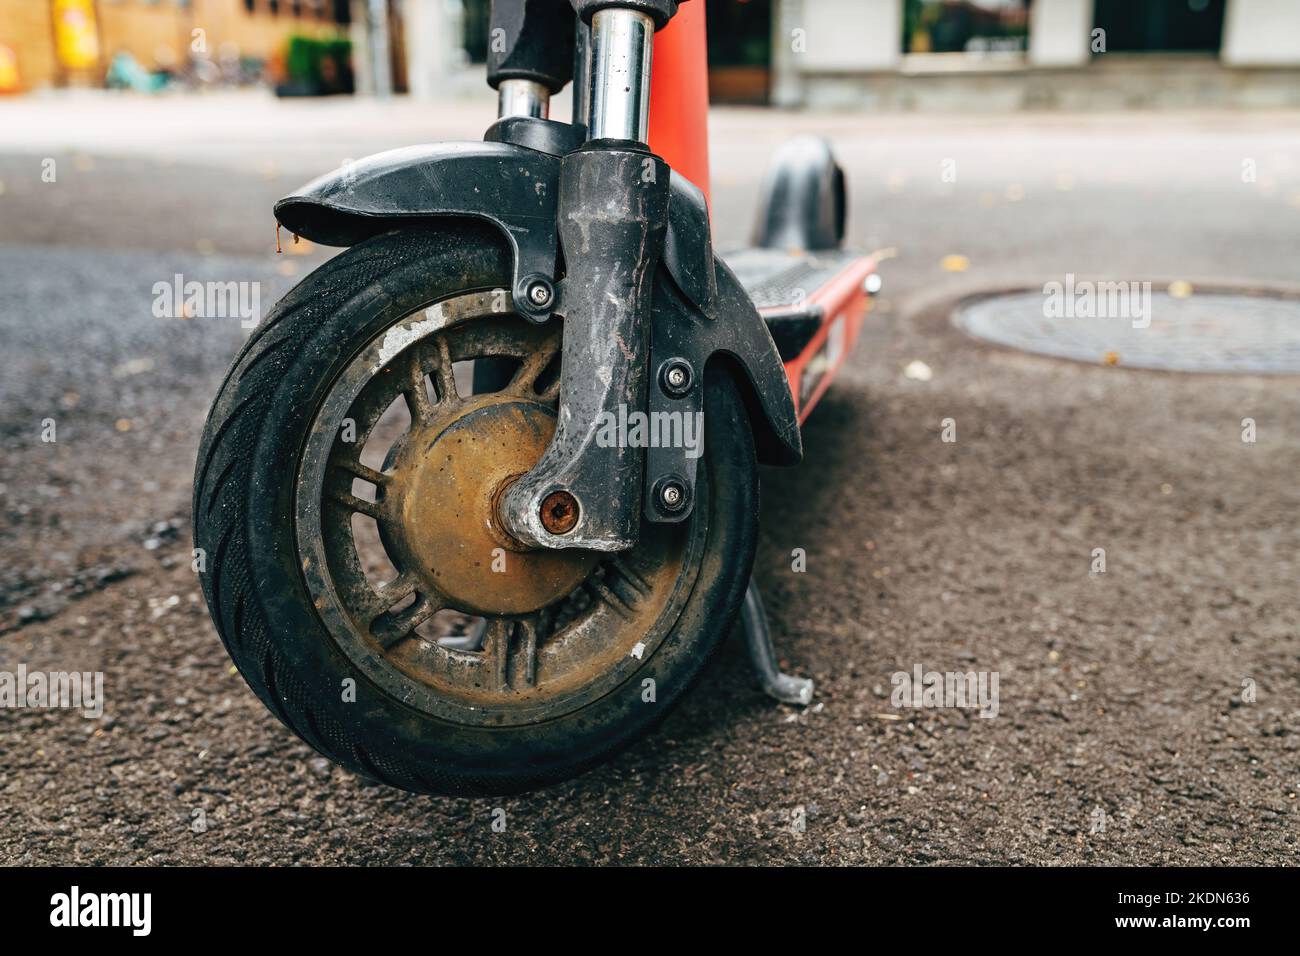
(479, 498)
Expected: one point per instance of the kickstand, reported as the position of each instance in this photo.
(786, 688)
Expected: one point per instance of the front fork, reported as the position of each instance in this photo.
(586, 491)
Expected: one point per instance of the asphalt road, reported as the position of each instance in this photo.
(1149, 714)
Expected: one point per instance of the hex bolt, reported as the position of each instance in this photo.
(676, 377)
(559, 512)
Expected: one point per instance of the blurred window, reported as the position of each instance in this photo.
(965, 26)
(740, 50)
(477, 20)
(739, 32)
(1161, 25)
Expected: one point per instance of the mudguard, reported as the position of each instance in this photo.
(700, 310)
(511, 187)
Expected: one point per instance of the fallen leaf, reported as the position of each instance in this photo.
(918, 371)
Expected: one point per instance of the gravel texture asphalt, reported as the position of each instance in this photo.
(1147, 714)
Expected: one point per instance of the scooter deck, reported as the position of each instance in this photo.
(813, 304)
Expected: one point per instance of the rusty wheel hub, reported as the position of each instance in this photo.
(557, 629)
(448, 485)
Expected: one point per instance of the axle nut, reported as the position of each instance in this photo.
(559, 512)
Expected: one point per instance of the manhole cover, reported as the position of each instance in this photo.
(1205, 332)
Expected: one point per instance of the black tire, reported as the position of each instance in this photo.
(243, 522)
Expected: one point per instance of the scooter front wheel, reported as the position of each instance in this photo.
(345, 513)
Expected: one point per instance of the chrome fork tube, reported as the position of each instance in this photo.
(523, 98)
(621, 42)
(581, 73)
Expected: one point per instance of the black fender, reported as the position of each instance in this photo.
(700, 309)
(509, 186)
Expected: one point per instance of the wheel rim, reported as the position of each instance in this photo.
(395, 442)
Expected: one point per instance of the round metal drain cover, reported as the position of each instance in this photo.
(1204, 332)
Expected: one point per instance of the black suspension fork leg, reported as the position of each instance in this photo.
(613, 212)
(612, 216)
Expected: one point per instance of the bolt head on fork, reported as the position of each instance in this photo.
(559, 512)
(676, 377)
(535, 298)
(671, 494)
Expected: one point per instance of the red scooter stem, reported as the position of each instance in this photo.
(679, 95)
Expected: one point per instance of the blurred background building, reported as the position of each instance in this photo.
(298, 45)
(1009, 54)
(855, 54)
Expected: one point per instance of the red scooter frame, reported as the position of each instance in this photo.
(679, 102)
